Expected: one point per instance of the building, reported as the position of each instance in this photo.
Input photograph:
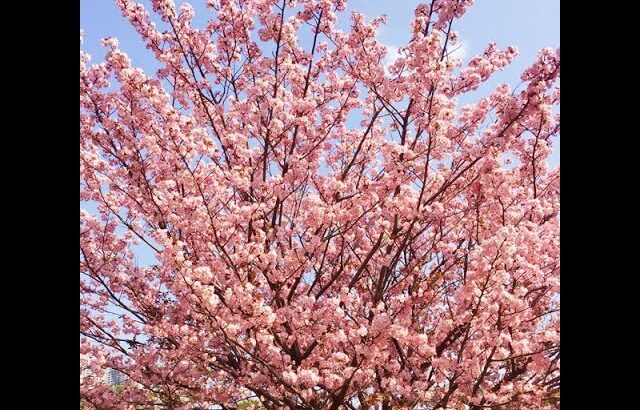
(114, 378)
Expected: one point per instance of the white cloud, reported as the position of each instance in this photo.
(393, 54)
(459, 51)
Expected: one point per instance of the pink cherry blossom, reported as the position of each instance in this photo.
(304, 259)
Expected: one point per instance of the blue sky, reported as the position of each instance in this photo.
(527, 24)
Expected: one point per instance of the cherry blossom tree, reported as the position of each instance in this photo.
(330, 231)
